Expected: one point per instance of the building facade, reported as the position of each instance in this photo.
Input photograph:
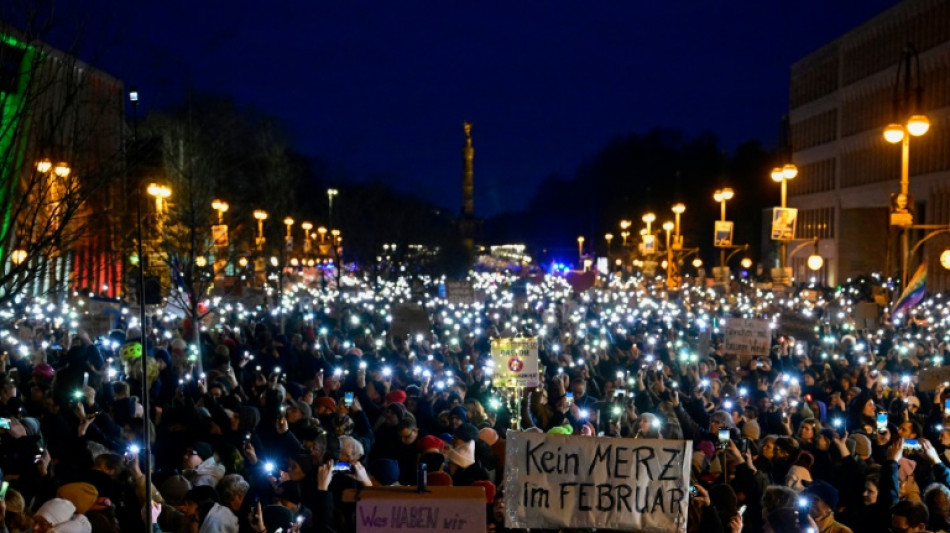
(841, 99)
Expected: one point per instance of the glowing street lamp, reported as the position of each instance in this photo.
(331, 194)
(260, 215)
(289, 222)
(580, 248)
(678, 209)
(782, 175)
(323, 233)
(722, 196)
(221, 207)
(161, 193)
(609, 237)
(648, 219)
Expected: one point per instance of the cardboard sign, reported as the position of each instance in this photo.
(95, 325)
(722, 236)
(783, 223)
(409, 319)
(385, 509)
(516, 362)
(866, 315)
(219, 235)
(929, 379)
(746, 337)
(799, 326)
(567, 481)
(459, 292)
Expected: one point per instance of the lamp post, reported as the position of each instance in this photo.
(609, 237)
(288, 238)
(221, 207)
(306, 227)
(782, 175)
(722, 196)
(908, 122)
(648, 219)
(260, 215)
(671, 283)
(678, 209)
(580, 250)
(331, 193)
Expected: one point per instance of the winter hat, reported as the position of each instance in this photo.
(798, 477)
(489, 436)
(326, 402)
(466, 433)
(294, 390)
(277, 517)
(77, 524)
(43, 370)
(429, 443)
(562, 430)
(81, 495)
(396, 396)
(751, 430)
(250, 417)
(707, 448)
(302, 407)
(439, 479)
(489, 489)
(56, 511)
(824, 492)
(203, 449)
(385, 471)
(862, 444)
(459, 411)
(352, 447)
(805, 460)
(174, 489)
(463, 455)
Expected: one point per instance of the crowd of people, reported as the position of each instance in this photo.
(264, 422)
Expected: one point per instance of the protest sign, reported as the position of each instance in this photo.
(866, 315)
(722, 237)
(799, 326)
(746, 337)
(459, 292)
(930, 378)
(562, 481)
(516, 362)
(95, 325)
(409, 319)
(783, 223)
(459, 509)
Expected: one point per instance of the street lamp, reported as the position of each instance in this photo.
(289, 222)
(609, 237)
(648, 219)
(160, 192)
(580, 249)
(670, 267)
(678, 209)
(722, 196)
(746, 263)
(323, 233)
(261, 216)
(782, 175)
(331, 193)
(306, 227)
(221, 207)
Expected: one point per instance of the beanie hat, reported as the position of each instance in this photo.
(463, 455)
(174, 489)
(566, 429)
(707, 448)
(439, 479)
(797, 478)
(396, 396)
(302, 407)
(294, 390)
(430, 442)
(862, 444)
(459, 411)
(56, 511)
(326, 402)
(81, 495)
(413, 391)
(385, 471)
(77, 524)
(466, 433)
(824, 492)
(43, 370)
(489, 489)
(277, 517)
(488, 435)
(203, 449)
(751, 430)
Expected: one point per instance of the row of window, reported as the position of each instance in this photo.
(814, 177)
(814, 83)
(815, 130)
(819, 222)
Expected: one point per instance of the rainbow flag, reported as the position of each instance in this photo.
(914, 292)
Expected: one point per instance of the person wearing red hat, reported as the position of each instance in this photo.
(396, 396)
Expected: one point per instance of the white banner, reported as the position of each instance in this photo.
(516, 362)
(420, 514)
(560, 481)
(747, 337)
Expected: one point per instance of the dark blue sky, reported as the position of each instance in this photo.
(382, 87)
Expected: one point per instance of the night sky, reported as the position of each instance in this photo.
(381, 88)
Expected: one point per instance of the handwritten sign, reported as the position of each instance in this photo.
(459, 292)
(516, 362)
(561, 481)
(930, 378)
(747, 337)
(464, 516)
(409, 319)
(798, 325)
(866, 315)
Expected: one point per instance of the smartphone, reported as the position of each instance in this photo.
(946, 407)
(341, 467)
(911, 444)
(724, 437)
(348, 399)
(744, 445)
(570, 398)
(3, 489)
(881, 422)
(693, 492)
(803, 507)
(5, 423)
(758, 363)
(742, 510)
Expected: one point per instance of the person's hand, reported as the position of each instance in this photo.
(256, 519)
(355, 407)
(318, 380)
(359, 473)
(250, 454)
(735, 523)
(702, 497)
(734, 450)
(675, 399)
(156, 511)
(202, 386)
(42, 462)
(895, 450)
(361, 378)
(85, 422)
(883, 438)
(281, 425)
(929, 451)
(841, 441)
(324, 475)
